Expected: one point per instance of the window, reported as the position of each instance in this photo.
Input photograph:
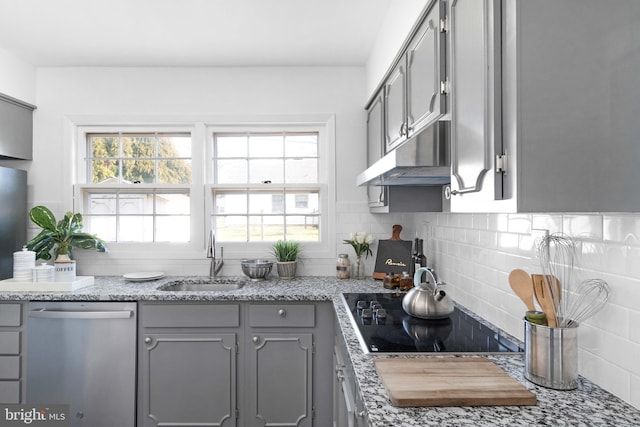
(265, 186)
(137, 187)
(160, 188)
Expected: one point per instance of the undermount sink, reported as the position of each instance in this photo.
(203, 285)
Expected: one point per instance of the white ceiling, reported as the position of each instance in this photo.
(190, 32)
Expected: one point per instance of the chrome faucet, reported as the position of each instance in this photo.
(216, 264)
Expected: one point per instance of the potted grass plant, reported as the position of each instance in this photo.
(286, 253)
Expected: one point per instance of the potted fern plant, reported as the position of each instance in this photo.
(286, 253)
(60, 236)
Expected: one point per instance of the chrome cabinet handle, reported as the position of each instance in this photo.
(255, 339)
(282, 312)
(147, 340)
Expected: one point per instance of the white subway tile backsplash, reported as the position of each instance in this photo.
(508, 242)
(552, 223)
(474, 256)
(622, 229)
(606, 374)
(480, 221)
(634, 326)
(635, 391)
(583, 226)
(498, 222)
(519, 223)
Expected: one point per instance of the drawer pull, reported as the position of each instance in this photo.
(282, 312)
(256, 339)
(147, 340)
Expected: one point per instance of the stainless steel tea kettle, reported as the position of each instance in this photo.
(427, 300)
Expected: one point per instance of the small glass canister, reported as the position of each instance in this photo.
(388, 282)
(406, 281)
(342, 266)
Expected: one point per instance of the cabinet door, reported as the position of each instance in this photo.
(280, 379)
(375, 130)
(425, 73)
(375, 145)
(475, 97)
(395, 111)
(189, 379)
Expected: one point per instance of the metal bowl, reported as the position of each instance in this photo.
(256, 269)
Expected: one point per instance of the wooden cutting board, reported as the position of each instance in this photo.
(394, 255)
(473, 381)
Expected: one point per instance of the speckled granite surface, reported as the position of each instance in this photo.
(589, 405)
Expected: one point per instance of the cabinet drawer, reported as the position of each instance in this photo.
(282, 315)
(9, 391)
(10, 314)
(9, 367)
(10, 342)
(191, 315)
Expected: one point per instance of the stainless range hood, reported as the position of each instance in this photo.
(421, 161)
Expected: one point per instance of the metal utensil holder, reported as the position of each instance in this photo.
(551, 356)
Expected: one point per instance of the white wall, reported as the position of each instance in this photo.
(17, 77)
(231, 92)
(395, 29)
(474, 254)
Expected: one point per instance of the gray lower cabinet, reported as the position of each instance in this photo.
(280, 386)
(235, 364)
(289, 361)
(190, 379)
(11, 357)
(188, 355)
(348, 406)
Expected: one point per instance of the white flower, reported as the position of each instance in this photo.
(368, 239)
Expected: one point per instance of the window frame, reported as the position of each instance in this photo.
(325, 185)
(201, 128)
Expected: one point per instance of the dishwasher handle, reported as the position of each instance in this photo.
(43, 313)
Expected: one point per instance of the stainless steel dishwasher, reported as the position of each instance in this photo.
(83, 354)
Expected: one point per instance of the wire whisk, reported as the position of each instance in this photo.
(592, 296)
(573, 301)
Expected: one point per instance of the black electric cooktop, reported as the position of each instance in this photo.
(392, 330)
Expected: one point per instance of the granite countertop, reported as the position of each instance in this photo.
(588, 405)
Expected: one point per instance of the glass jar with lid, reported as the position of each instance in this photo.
(342, 266)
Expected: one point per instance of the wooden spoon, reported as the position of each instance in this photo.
(545, 299)
(520, 282)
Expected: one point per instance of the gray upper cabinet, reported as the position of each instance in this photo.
(375, 145)
(560, 102)
(16, 128)
(426, 83)
(413, 91)
(475, 98)
(396, 107)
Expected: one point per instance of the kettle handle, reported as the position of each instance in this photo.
(417, 276)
